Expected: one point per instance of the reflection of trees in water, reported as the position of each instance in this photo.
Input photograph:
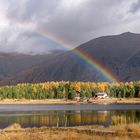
(125, 117)
(73, 118)
(89, 118)
(59, 118)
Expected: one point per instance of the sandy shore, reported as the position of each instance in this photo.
(45, 101)
(62, 101)
(117, 101)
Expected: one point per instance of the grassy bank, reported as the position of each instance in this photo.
(62, 101)
(120, 132)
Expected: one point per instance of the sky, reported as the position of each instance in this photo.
(74, 21)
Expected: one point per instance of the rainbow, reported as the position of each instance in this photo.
(110, 77)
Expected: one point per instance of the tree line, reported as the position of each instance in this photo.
(69, 90)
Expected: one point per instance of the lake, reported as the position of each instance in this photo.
(68, 115)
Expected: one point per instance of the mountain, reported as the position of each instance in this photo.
(120, 54)
(13, 63)
(117, 53)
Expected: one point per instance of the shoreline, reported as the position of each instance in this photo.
(66, 102)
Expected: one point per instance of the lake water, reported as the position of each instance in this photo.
(68, 115)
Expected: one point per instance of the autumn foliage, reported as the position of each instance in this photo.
(68, 90)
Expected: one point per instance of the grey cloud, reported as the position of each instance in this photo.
(135, 6)
(75, 21)
(29, 10)
(75, 25)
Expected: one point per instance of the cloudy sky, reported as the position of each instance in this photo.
(75, 21)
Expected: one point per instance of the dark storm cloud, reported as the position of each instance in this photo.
(135, 6)
(30, 9)
(75, 21)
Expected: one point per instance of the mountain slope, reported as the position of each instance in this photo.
(13, 63)
(116, 53)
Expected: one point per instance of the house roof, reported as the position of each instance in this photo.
(100, 93)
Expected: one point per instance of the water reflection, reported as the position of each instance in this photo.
(68, 118)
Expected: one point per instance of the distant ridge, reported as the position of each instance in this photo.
(120, 54)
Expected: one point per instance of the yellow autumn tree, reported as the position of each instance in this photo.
(101, 87)
(34, 90)
(77, 86)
